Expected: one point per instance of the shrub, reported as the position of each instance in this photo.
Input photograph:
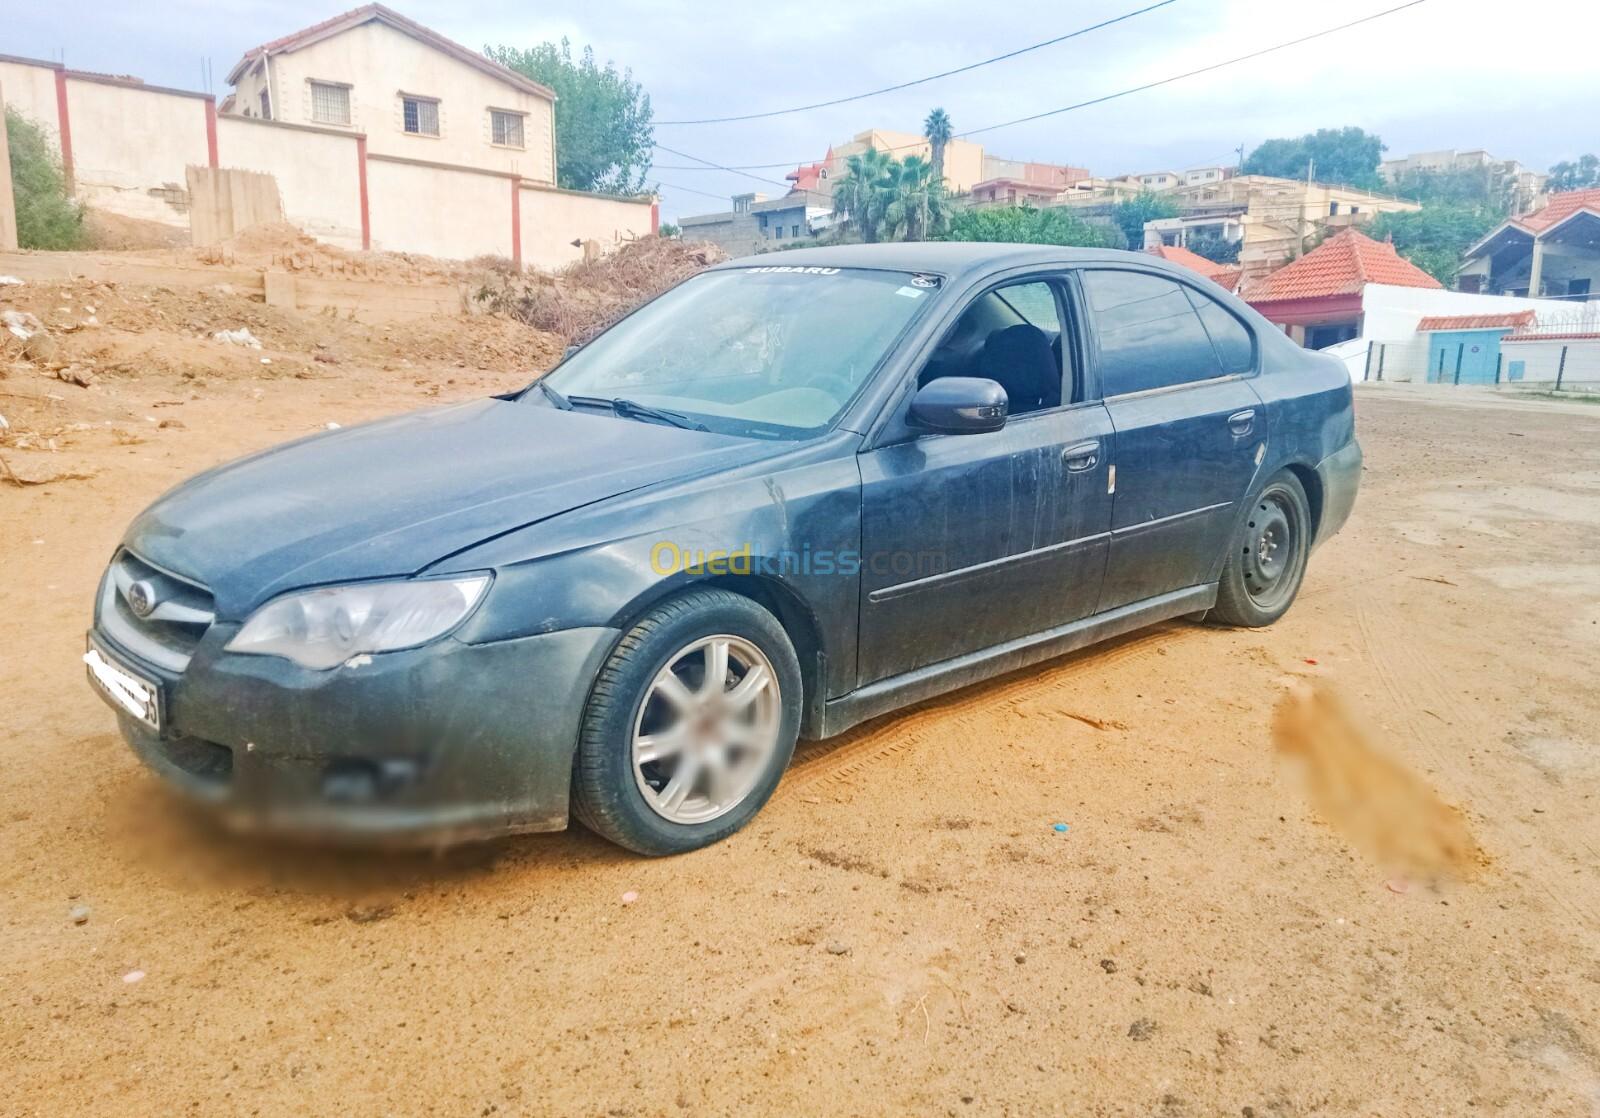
(47, 216)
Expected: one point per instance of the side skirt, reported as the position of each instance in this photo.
(936, 679)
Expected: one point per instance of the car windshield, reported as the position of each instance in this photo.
(776, 351)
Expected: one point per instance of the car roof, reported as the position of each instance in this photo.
(949, 258)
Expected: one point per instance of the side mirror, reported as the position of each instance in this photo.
(960, 405)
(571, 349)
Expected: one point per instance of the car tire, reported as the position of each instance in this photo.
(633, 707)
(1267, 556)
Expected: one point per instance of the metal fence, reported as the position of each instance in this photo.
(1542, 360)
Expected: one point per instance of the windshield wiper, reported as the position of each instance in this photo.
(632, 409)
(555, 397)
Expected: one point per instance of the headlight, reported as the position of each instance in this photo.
(323, 628)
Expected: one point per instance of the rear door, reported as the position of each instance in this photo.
(972, 540)
(1174, 367)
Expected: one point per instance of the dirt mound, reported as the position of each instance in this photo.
(580, 301)
(283, 246)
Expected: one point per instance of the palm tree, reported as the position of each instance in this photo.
(915, 199)
(937, 129)
(860, 192)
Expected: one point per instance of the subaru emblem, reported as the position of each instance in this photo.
(141, 598)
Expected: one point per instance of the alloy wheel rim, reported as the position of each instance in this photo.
(706, 729)
(1271, 550)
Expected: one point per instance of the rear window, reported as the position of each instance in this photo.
(1235, 345)
(1149, 334)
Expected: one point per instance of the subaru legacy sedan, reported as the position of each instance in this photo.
(795, 492)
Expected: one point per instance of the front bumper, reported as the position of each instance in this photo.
(429, 745)
(1340, 478)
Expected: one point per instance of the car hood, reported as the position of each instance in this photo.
(386, 499)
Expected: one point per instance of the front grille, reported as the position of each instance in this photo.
(180, 611)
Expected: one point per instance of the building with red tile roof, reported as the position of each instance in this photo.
(1224, 275)
(1554, 251)
(1512, 320)
(1318, 298)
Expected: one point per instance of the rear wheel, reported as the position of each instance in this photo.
(1267, 559)
(690, 725)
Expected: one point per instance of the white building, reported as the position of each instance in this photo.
(412, 92)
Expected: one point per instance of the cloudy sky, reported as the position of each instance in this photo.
(1519, 79)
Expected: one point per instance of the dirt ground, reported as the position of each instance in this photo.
(902, 930)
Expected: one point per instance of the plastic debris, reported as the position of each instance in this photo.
(241, 336)
(1061, 828)
(1398, 885)
(79, 914)
(332, 426)
(10, 281)
(21, 323)
(133, 976)
(629, 897)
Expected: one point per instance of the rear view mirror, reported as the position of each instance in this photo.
(960, 405)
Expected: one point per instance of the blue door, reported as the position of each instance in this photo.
(1477, 352)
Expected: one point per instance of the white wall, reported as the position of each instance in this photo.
(31, 90)
(1542, 360)
(379, 62)
(553, 219)
(438, 212)
(318, 173)
(1390, 315)
(130, 148)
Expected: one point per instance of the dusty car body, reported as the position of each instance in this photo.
(910, 515)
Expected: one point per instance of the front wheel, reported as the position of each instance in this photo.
(1267, 557)
(690, 725)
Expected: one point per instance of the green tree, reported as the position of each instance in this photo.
(937, 129)
(1345, 156)
(915, 204)
(1434, 237)
(1028, 226)
(1213, 246)
(47, 216)
(1576, 175)
(603, 117)
(861, 194)
(1131, 214)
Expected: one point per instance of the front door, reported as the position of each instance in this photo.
(972, 540)
(1174, 368)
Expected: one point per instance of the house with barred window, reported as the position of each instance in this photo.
(413, 94)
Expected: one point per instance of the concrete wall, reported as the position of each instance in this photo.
(1391, 314)
(379, 63)
(31, 89)
(449, 213)
(1541, 361)
(8, 209)
(318, 173)
(130, 146)
(552, 219)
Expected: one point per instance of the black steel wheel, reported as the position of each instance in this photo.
(1267, 558)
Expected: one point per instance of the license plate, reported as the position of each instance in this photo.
(123, 689)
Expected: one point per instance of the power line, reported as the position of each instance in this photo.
(923, 81)
(692, 190)
(1193, 73)
(740, 168)
(720, 167)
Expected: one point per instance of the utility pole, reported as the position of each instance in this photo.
(1239, 166)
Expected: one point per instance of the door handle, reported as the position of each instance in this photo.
(1240, 422)
(1083, 456)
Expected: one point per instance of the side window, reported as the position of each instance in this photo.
(1011, 335)
(1149, 333)
(1235, 345)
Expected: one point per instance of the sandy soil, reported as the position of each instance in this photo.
(902, 929)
